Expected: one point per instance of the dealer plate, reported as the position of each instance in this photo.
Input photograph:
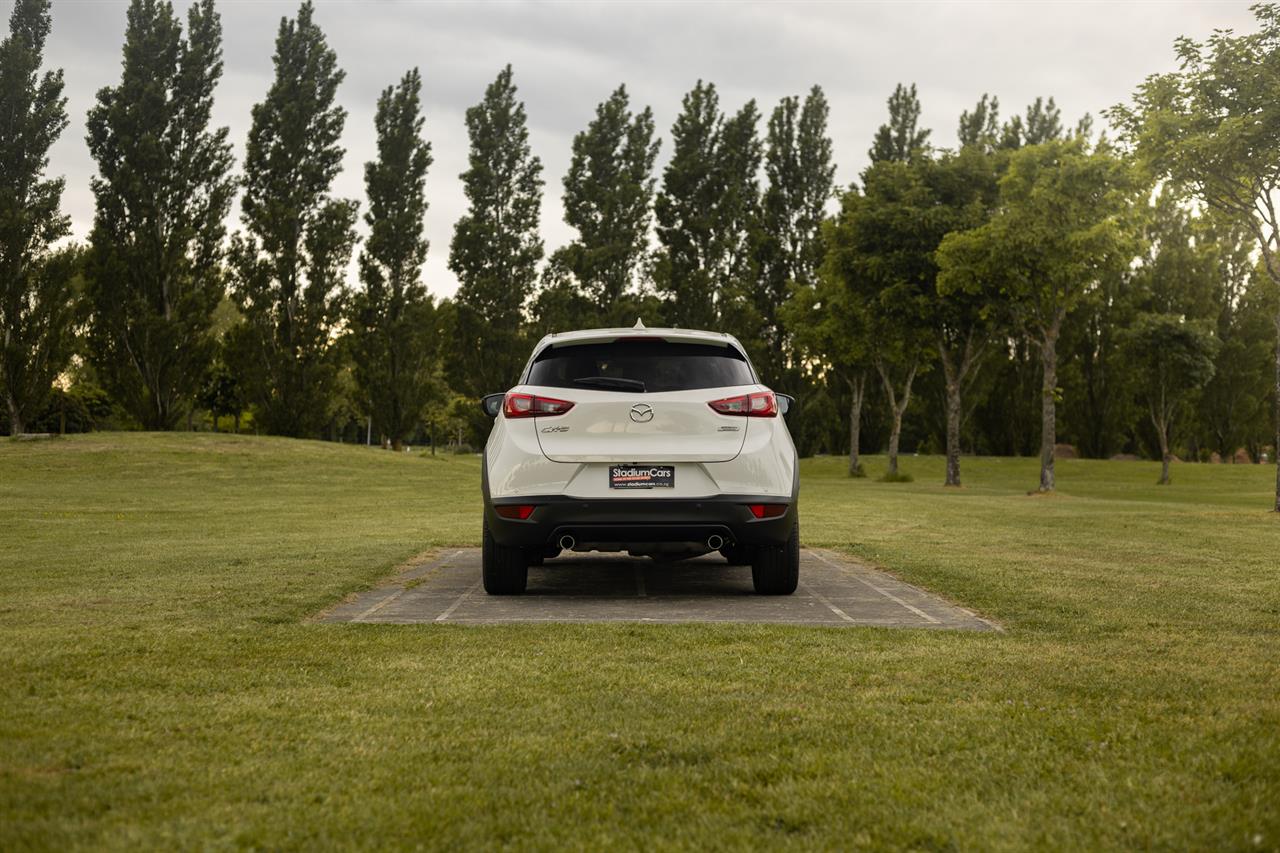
(642, 476)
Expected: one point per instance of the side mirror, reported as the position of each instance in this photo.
(785, 402)
(492, 404)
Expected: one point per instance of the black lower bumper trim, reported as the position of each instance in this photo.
(628, 520)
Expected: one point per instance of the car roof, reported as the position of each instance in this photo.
(584, 336)
(639, 330)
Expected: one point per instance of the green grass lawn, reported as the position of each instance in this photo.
(161, 687)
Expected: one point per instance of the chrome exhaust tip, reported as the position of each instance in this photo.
(715, 542)
(567, 542)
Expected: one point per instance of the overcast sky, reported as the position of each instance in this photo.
(569, 56)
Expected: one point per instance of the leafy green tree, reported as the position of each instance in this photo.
(163, 191)
(881, 257)
(290, 262)
(832, 332)
(882, 250)
(496, 247)
(392, 321)
(222, 395)
(36, 293)
(1059, 229)
(959, 192)
(608, 199)
(800, 172)
(1213, 128)
(1172, 359)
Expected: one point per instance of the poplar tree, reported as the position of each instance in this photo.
(737, 231)
(708, 214)
(608, 199)
(686, 212)
(36, 298)
(290, 262)
(163, 190)
(496, 247)
(901, 138)
(392, 320)
(980, 129)
(800, 173)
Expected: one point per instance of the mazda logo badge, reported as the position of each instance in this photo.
(642, 413)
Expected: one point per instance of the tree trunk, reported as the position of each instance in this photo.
(1048, 408)
(1162, 430)
(857, 388)
(1275, 451)
(898, 408)
(397, 445)
(237, 423)
(953, 433)
(16, 426)
(894, 435)
(952, 381)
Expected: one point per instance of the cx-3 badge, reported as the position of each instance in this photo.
(642, 413)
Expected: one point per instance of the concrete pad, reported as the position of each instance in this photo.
(834, 591)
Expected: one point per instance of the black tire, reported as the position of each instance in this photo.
(738, 555)
(504, 570)
(776, 569)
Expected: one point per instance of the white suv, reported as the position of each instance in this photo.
(658, 442)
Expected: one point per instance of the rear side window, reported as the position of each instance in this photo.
(640, 366)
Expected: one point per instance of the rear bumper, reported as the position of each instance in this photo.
(631, 520)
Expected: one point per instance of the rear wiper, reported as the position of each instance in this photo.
(612, 382)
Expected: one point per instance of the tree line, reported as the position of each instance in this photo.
(1032, 284)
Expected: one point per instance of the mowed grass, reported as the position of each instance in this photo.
(160, 685)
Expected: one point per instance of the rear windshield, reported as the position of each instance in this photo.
(641, 366)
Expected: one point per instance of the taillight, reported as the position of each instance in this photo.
(520, 511)
(531, 406)
(767, 510)
(761, 404)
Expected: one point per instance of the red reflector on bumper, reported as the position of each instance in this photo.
(520, 511)
(767, 510)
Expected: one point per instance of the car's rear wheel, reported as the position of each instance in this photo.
(504, 570)
(776, 568)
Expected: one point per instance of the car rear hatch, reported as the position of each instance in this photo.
(641, 401)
